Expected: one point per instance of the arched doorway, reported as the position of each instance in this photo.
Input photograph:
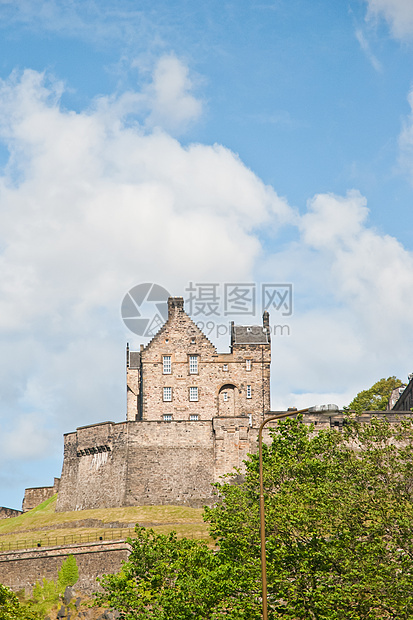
(226, 400)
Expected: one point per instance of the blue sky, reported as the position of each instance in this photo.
(177, 142)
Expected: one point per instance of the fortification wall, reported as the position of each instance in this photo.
(137, 463)
(36, 495)
(170, 463)
(94, 467)
(232, 444)
(6, 513)
(22, 569)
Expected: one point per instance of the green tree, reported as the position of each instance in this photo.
(68, 574)
(339, 530)
(44, 597)
(168, 578)
(10, 606)
(375, 398)
(47, 593)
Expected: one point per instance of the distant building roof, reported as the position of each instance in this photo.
(250, 334)
(405, 400)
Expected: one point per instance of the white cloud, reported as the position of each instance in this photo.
(354, 292)
(91, 204)
(172, 105)
(406, 141)
(372, 272)
(365, 47)
(398, 13)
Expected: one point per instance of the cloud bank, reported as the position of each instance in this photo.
(95, 202)
(92, 203)
(398, 13)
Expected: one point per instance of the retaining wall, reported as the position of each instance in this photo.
(21, 569)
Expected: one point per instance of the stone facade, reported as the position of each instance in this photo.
(36, 495)
(180, 358)
(192, 416)
(7, 513)
(22, 569)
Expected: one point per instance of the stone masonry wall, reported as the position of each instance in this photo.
(170, 463)
(94, 467)
(36, 495)
(178, 338)
(6, 513)
(232, 444)
(22, 569)
(143, 463)
(179, 447)
(234, 383)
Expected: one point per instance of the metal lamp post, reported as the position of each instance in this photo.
(320, 408)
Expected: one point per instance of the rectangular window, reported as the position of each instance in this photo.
(167, 394)
(193, 364)
(167, 417)
(248, 364)
(167, 366)
(225, 368)
(248, 391)
(225, 396)
(193, 394)
(193, 417)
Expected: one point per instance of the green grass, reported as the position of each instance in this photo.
(43, 524)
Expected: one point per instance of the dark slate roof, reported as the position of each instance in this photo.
(134, 359)
(250, 334)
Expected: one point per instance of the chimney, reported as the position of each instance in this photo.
(174, 303)
(266, 323)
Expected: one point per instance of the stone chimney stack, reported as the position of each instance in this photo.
(175, 304)
(266, 323)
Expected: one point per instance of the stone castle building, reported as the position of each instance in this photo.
(192, 415)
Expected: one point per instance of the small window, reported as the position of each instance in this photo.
(193, 394)
(192, 340)
(225, 368)
(194, 417)
(248, 364)
(193, 364)
(167, 366)
(248, 391)
(167, 417)
(225, 394)
(167, 394)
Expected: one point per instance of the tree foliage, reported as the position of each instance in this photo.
(44, 597)
(339, 531)
(68, 574)
(375, 398)
(10, 606)
(167, 578)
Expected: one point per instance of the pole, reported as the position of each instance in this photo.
(262, 509)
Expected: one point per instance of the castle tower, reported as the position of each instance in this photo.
(180, 375)
(192, 416)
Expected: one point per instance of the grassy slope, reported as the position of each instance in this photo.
(43, 522)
